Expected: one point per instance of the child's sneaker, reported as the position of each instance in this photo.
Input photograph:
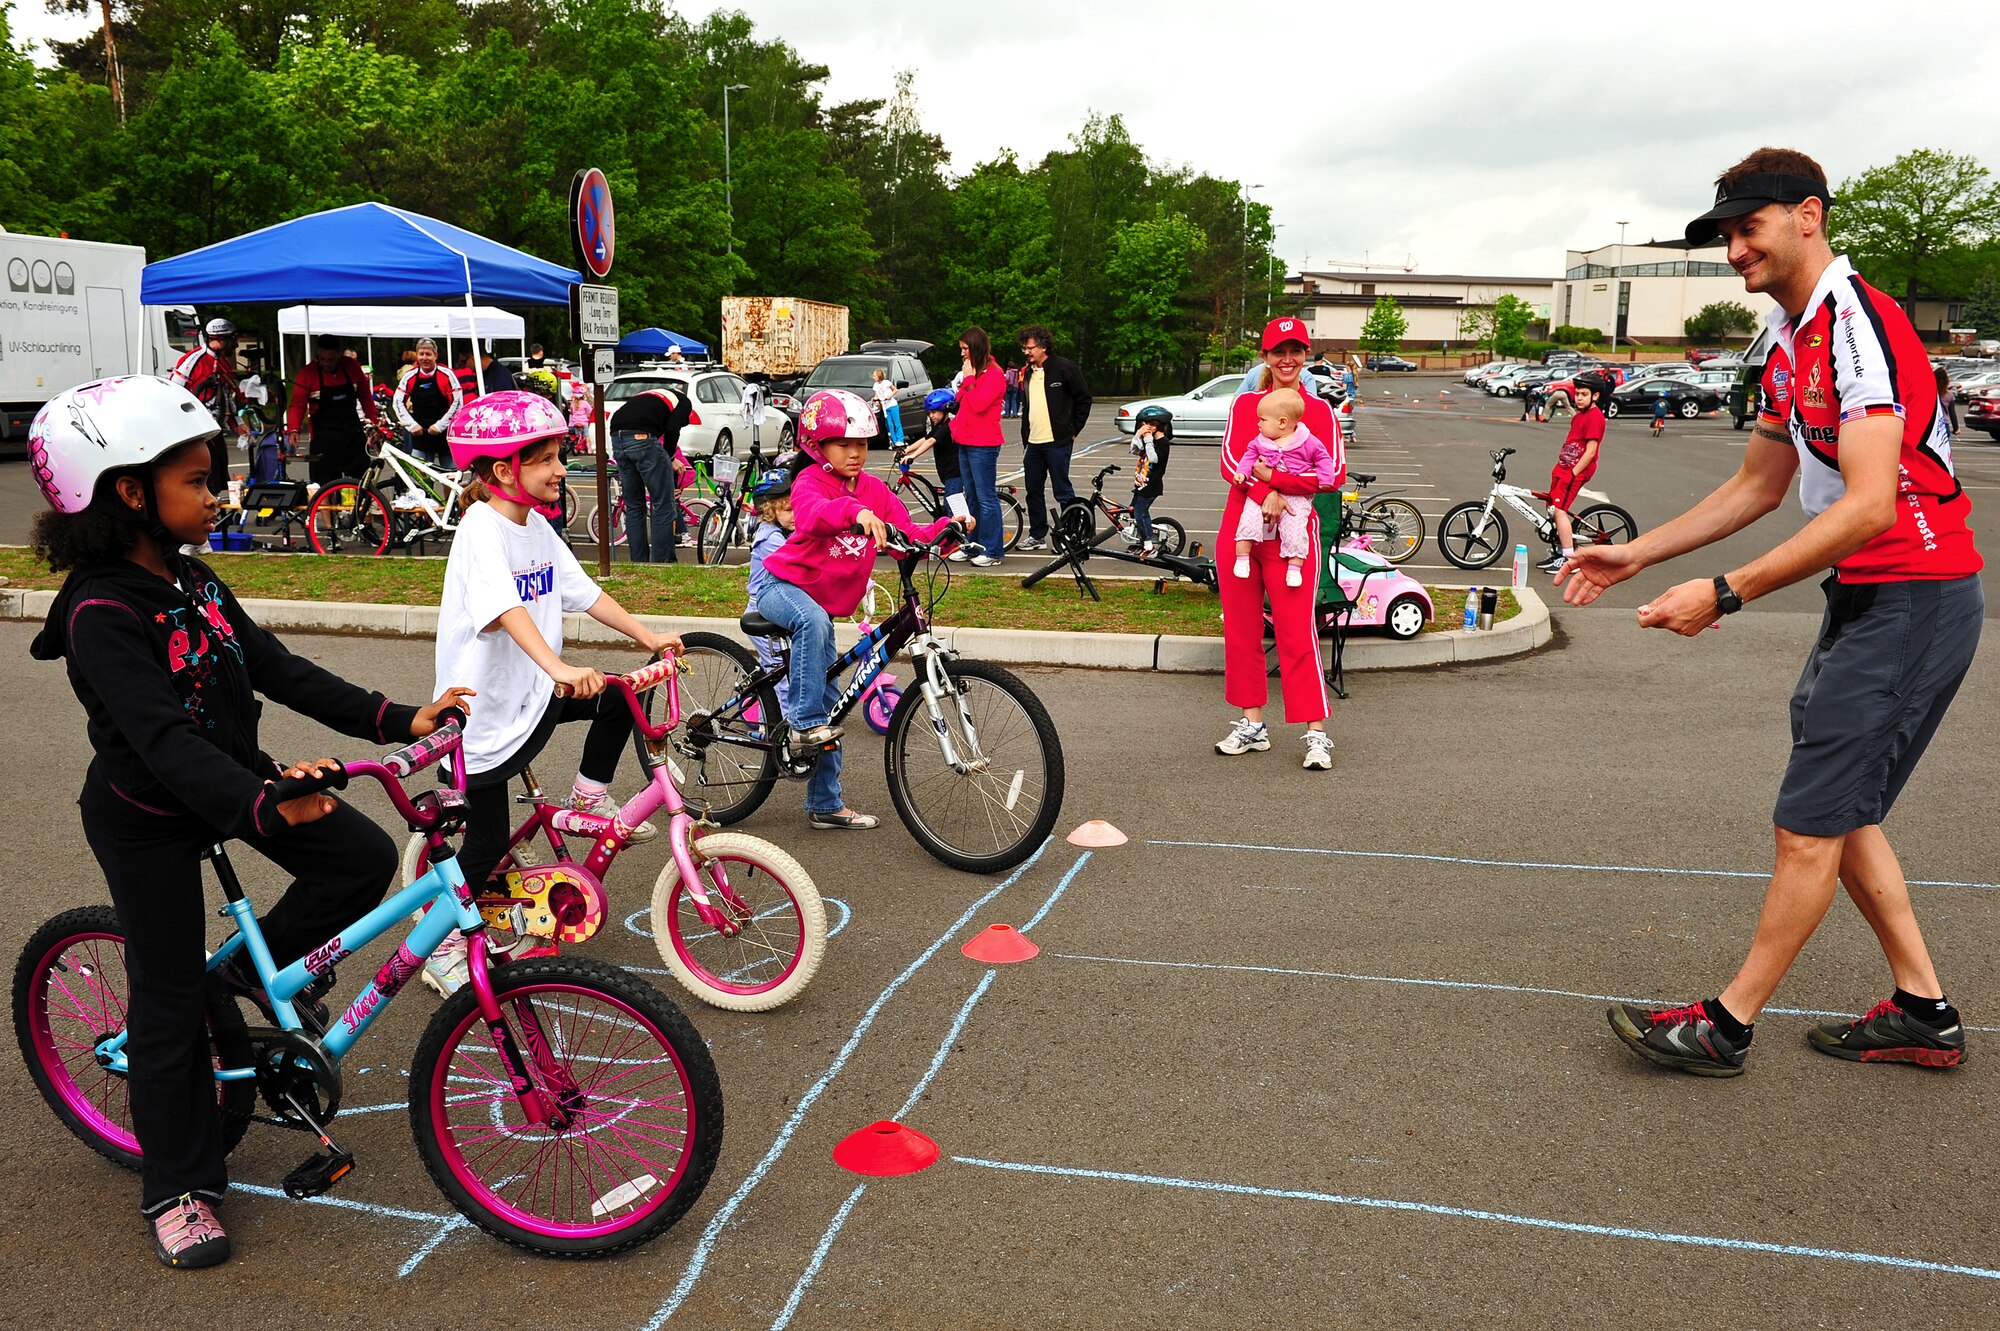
(1319, 751)
(1244, 736)
(446, 970)
(1242, 568)
(1553, 564)
(991, 561)
(238, 979)
(604, 807)
(186, 1234)
(1293, 577)
(1148, 550)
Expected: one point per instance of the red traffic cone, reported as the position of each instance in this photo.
(885, 1149)
(999, 944)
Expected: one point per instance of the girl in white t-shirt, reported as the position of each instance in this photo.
(885, 405)
(508, 583)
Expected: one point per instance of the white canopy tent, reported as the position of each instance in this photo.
(444, 322)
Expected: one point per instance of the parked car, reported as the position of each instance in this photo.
(1203, 413)
(1702, 355)
(1684, 400)
(717, 425)
(856, 373)
(1561, 356)
(1381, 363)
(1979, 409)
(1473, 375)
(1508, 382)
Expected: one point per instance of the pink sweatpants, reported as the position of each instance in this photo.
(1296, 539)
(1244, 683)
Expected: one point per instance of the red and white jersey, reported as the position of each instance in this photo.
(1854, 354)
(210, 379)
(425, 398)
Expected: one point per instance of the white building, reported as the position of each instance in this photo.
(1336, 304)
(1647, 291)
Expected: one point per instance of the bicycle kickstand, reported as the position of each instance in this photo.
(318, 1173)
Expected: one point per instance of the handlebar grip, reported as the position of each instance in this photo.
(298, 787)
(416, 756)
(652, 674)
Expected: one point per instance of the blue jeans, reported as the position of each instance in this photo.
(809, 694)
(979, 469)
(1142, 514)
(646, 474)
(1045, 462)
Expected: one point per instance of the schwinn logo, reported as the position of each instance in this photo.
(535, 583)
(325, 955)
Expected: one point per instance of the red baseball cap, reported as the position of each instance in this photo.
(1286, 329)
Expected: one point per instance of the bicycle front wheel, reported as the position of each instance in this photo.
(70, 992)
(991, 807)
(732, 779)
(1396, 527)
(348, 518)
(774, 913)
(1470, 537)
(634, 1109)
(711, 542)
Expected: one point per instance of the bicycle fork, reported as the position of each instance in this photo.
(936, 687)
(555, 1107)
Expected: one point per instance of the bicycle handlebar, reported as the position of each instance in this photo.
(633, 685)
(390, 771)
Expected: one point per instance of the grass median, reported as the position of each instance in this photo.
(973, 601)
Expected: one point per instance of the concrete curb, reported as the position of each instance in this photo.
(1177, 653)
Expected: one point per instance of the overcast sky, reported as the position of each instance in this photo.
(1473, 138)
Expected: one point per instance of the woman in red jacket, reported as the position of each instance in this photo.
(976, 427)
(1292, 608)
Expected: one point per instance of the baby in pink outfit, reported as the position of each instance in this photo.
(1282, 444)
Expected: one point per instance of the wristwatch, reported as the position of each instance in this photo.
(1726, 600)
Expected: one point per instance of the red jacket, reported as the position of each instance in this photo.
(977, 424)
(312, 379)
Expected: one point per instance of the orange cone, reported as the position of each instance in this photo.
(885, 1149)
(998, 945)
(1097, 832)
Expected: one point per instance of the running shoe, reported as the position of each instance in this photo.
(1244, 736)
(819, 737)
(986, 561)
(1319, 751)
(1890, 1035)
(186, 1234)
(603, 807)
(1553, 564)
(1682, 1038)
(959, 556)
(1034, 543)
(238, 979)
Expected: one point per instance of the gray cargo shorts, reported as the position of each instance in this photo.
(1889, 658)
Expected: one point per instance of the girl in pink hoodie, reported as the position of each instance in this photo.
(823, 571)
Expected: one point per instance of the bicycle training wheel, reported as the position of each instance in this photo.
(347, 518)
(711, 541)
(992, 808)
(718, 713)
(634, 1095)
(1470, 538)
(774, 909)
(1396, 528)
(1603, 524)
(70, 991)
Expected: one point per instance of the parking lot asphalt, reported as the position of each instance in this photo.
(1320, 1049)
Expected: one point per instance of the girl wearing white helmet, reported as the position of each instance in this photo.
(508, 583)
(822, 570)
(168, 667)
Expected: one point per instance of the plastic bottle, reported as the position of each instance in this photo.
(1520, 565)
(1471, 609)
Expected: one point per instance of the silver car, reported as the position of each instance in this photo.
(717, 396)
(1204, 412)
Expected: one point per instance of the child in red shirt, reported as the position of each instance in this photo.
(1576, 463)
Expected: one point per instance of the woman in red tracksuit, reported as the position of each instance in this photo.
(1293, 616)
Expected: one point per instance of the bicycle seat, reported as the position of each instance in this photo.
(757, 626)
(1361, 478)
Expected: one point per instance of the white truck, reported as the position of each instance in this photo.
(69, 313)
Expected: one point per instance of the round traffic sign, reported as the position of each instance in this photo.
(596, 232)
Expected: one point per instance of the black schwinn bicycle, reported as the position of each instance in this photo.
(975, 767)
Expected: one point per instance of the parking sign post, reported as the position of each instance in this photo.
(593, 321)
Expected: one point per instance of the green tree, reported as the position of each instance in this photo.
(997, 256)
(1149, 267)
(1383, 329)
(1982, 311)
(1724, 318)
(799, 223)
(1915, 225)
(1511, 317)
(1098, 185)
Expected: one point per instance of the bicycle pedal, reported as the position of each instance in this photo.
(318, 1174)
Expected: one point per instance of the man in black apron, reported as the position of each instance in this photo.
(335, 392)
(426, 397)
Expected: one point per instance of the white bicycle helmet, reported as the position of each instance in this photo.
(83, 432)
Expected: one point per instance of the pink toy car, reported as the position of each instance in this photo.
(1384, 596)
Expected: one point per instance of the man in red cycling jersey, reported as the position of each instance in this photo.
(209, 372)
(1849, 404)
(333, 388)
(427, 397)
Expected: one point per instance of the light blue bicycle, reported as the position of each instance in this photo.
(560, 1104)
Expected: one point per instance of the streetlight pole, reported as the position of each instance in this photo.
(1617, 287)
(728, 177)
(1243, 288)
(1270, 270)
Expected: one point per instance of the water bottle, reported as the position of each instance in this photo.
(1520, 566)
(1471, 609)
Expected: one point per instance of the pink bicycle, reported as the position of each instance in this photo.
(738, 921)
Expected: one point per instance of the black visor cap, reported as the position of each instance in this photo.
(1751, 193)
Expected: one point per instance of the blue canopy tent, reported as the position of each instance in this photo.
(365, 254)
(658, 342)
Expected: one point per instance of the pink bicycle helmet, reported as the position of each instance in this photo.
(83, 432)
(499, 426)
(833, 413)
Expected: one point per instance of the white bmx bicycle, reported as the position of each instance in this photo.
(1473, 535)
(399, 500)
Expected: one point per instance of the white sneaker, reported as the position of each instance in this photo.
(984, 561)
(958, 556)
(603, 807)
(1294, 578)
(1244, 736)
(1242, 569)
(1148, 550)
(445, 970)
(1319, 751)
